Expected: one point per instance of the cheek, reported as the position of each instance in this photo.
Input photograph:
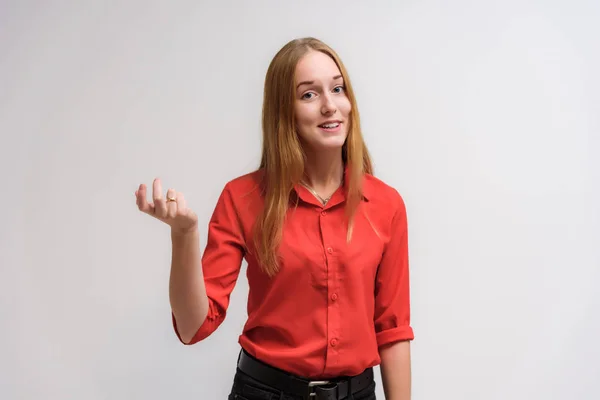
(301, 121)
(344, 106)
(305, 115)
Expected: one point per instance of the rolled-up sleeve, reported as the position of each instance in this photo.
(221, 263)
(392, 286)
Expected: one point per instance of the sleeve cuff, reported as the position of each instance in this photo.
(392, 335)
(202, 333)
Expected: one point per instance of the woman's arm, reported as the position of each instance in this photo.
(187, 291)
(201, 284)
(396, 371)
(392, 308)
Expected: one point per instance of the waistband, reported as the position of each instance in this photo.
(334, 389)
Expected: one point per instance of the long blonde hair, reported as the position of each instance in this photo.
(282, 161)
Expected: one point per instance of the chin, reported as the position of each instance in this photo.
(324, 141)
(331, 143)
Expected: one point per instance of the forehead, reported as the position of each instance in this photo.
(316, 66)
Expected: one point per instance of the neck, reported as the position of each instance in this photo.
(323, 172)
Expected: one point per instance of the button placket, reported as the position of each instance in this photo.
(329, 233)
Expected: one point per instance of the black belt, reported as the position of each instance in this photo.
(335, 389)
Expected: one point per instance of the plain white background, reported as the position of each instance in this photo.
(484, 115)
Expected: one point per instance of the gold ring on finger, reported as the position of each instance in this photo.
(171, 199)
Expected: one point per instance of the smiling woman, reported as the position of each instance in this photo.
(325, 241)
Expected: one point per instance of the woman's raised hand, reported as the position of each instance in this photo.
(170, 209)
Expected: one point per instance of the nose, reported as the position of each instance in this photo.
(328, 107)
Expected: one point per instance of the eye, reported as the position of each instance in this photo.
(339, 89)
(306, 95)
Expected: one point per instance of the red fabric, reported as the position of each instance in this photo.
(333, 303)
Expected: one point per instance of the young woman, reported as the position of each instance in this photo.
(325, 242)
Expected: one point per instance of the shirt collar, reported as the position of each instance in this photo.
(339, 196)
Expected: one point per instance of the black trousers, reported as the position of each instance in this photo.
(247, 388)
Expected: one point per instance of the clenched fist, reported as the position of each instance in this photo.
(171, 210)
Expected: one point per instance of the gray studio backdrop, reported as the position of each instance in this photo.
(483, 114)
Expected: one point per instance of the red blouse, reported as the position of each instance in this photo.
(333, 303)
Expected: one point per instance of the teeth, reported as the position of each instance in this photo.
(334, 125)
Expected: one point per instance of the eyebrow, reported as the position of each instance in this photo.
(312, 82)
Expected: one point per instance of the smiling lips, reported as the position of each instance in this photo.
(331, 126)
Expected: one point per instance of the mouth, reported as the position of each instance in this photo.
(330, 125)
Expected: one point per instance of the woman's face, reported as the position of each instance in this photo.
(321, 106)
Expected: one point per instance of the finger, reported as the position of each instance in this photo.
(160, 208)
(181, 203)
(141, 200)
(171, 205)
(182, 207)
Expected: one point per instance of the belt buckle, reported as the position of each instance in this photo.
(315, 383)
